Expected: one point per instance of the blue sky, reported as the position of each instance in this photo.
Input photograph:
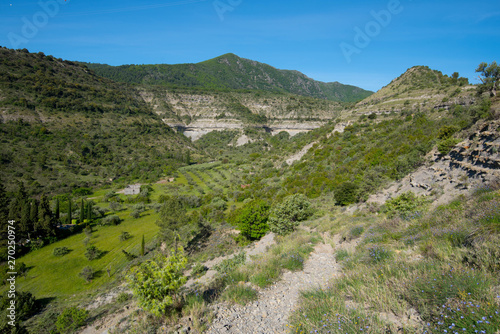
(327, 40)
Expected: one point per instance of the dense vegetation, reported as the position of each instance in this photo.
(64, 127)
(230, 72)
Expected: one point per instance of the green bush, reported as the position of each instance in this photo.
(155, 283)
(447, 131)
(111, 220)
(198, 270)
(445, 146)
(405, 205)
(61, 251)
(287, 215)
(125, 236)
(123, 297)
(93, 253)
(346, 193)
(252, 219)
(71, 319)
(87, 273)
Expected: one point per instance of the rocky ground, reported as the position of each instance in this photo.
(269, 314)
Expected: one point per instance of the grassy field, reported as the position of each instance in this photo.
(52, 276)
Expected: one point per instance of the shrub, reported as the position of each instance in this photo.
(346, 193)
(125, 236)
(123, 297)
(155, 283)
(252, 219)
(61, 251)
(93, 253)
(198, 270)
(229, 265)
(219, 204)
(405, 205)
(111, 220)
(135, 214)
(71, 319)
(445, 146)
(115, 206)
(87, 273)
(447, 131)
(287, 215)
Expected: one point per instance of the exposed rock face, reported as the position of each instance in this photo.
(468, 166)
(196, 114)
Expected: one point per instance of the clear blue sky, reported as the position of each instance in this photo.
(301, 35)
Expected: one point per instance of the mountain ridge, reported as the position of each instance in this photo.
(230, 71)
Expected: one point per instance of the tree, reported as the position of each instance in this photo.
(57, 212)
(155, 283)
(252, 219)
(172, 218)
(69, 211)
(287, 215)
(142, 246)
(346, 193)
(70, 319)
(4, 210)
(82, 211)
(87, 273)
(490, 77)
(89, 211)
(46, 224)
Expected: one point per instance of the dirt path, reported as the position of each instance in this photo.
(269, 314)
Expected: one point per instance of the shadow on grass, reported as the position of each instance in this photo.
(44, 302)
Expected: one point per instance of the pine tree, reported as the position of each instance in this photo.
(142, 246)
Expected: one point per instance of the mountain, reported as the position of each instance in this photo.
(62, 126)
(231, 72)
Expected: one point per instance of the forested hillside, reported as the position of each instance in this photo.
(231, 72)
(63, 127)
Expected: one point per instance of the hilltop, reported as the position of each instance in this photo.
(419, 89)
(231, 72)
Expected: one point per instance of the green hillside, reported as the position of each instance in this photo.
(231, 72)
(62, 126)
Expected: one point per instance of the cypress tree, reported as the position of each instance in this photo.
(4, 209)
(69, 211)
(46, 218)
(82, 211)
(142, 246)
(34, 214)
(89, 211)
(57, 213)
